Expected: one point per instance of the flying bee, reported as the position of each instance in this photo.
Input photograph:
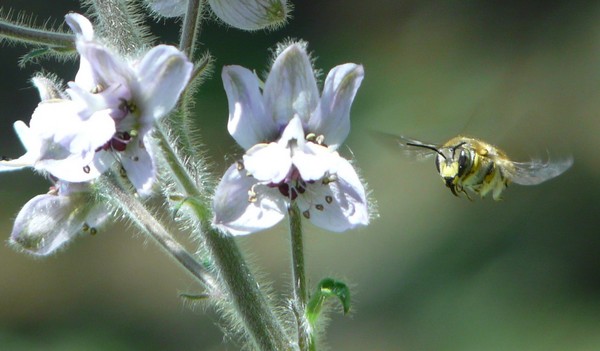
(471, 164)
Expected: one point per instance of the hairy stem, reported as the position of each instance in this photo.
(120, 22)
(149, 225)
(249, 302)
(182, 122)
(36, 36)
(190, 29)
(299, 276)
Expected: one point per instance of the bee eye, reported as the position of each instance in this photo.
(463, 162)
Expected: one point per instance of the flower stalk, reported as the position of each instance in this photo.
(191, 27)
(44, 37)
(121, 24)
(299, 276)
(248, 300)
(152, 227)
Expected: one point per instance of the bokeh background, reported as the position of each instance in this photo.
(433, 272)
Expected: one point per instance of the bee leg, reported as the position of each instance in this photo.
(453, 189)
(462, 190)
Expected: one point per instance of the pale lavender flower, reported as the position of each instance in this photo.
(62, 137)
(290, 135)
(48, 222)
(135, 92)
(106, 114)
(242, 14)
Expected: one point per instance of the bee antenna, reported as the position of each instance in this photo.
(428, 147)
(458, 145)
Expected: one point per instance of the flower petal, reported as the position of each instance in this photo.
(291, 88)
(235, 214)
(28, 139)
(332, 117)
(70, 169)
(342, 204)
(248, 123)
(80, 25)
(139, 164)
(162, 74)
(67, 144)
(269, 163)
(27, 160)
(250, 14)
(315, 162)
(101, 68)
(94, 132)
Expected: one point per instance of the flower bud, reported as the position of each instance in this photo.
(251, 14)
(168, 8)
(48, 222)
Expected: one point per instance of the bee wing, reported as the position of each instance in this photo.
(537, 171)
(413, 148)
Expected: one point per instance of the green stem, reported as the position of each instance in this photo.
(182, 122)
(250, 304)
(149, 225)
(36, 36)
(191, 27)
(121, 23)
(299, 276)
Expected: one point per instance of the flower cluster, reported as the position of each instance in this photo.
(104, 117)
(290, 134)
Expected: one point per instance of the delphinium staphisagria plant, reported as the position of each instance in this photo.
(117, 134)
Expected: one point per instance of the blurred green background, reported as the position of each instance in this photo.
(433, 272)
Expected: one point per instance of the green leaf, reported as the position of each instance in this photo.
(327, 288)
(33, 55)
(194, 297)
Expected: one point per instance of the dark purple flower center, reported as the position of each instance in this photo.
(118, 142)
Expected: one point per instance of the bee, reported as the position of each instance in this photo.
(471, 164)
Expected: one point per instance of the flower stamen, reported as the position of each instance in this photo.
(252, 196)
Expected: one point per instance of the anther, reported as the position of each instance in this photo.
(85, 227)
(239, 165)
(320, 139)
(329, 179)
(328, 199)
(127, 106)
(319, 207)
(306, 214)
(97, 89)
(93, 231)
(86, 169)
(252, 197)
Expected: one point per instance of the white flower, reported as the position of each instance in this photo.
(106, 113)
(291, 135)
(62, 137)
(242, 14)
(48, 222)
(135, 92)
